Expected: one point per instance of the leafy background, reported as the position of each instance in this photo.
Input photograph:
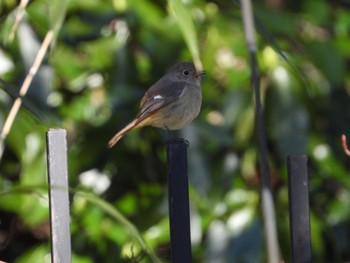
(103, 58)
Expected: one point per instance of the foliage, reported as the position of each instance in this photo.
(103, 58)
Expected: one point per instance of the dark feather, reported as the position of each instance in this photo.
(168, 94)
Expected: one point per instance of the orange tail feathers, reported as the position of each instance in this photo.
(121, 133)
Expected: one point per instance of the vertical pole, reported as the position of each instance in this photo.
(298, 193)
(267, 203)
(178, 202)
(58, 195)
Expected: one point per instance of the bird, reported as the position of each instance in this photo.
(171, 103)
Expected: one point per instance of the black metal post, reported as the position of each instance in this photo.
(178, 202)
(298, 193)
(58, 195)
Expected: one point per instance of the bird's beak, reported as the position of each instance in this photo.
(199, 73)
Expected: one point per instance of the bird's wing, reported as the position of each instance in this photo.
(156, 99)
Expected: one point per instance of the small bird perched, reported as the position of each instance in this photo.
(171, 103)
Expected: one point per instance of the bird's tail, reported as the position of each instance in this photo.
(121, 133)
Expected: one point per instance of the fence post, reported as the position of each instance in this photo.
(180, 235)
(58, 196)
(299, 217)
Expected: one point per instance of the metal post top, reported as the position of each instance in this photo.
(56, 130)
(297, 155)
(178, 142)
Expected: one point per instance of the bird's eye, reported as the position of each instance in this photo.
(185, 72)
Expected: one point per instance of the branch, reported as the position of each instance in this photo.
(24, 88)
(345, 145)
(22, 6)
(268, 207)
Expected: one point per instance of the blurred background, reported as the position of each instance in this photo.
(105, 55)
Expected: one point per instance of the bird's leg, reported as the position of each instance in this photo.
(175, 138)
(172, 134)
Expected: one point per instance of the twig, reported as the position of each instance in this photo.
(268, 209)
(24, 88)
(128, 226)
(345, 145)
(20, 13)
(134, 258)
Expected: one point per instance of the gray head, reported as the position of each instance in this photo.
(185, 71)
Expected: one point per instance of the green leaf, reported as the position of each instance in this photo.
(328, 59)
(183, 17)
(116, 215)
(276, 21)
(57, 10)
(38, 254)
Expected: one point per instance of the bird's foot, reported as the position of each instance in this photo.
(177, 139)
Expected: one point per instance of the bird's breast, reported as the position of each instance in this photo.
(183, 110)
